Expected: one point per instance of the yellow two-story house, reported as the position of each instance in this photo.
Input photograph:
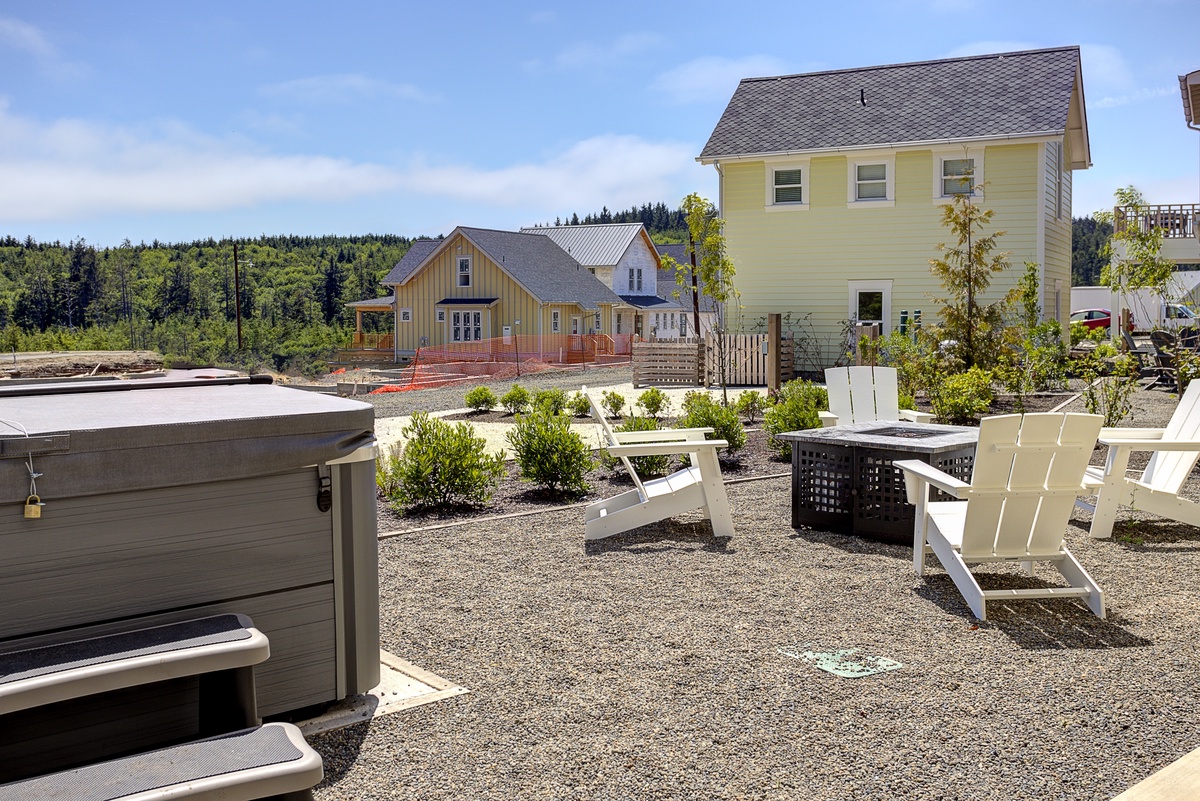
(832, 183)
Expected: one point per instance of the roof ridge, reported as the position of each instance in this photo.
(912, 64)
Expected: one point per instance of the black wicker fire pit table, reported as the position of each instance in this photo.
(843, 479)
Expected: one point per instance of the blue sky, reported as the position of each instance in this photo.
(180, 121)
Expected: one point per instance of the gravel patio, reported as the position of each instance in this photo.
(648, 666)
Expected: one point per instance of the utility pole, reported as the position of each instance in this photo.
(237, 293)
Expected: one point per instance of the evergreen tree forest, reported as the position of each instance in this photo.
(1088, 237)
(666, 226)
(179, 299)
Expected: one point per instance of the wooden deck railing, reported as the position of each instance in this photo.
(365, 341)
(1177, 221)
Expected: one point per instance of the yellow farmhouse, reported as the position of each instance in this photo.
(478, 288)
(832, 183)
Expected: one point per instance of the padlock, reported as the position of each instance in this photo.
(33, 507)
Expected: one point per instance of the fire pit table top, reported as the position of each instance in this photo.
(925, 438)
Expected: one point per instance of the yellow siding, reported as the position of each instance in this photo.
(800, 261)
(438, 280)
(1057, 264)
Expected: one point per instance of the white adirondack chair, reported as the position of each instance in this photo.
(698, 486)
(1028, 470)
(865, 394)
(1175, 451)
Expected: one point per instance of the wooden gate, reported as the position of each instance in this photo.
(746, 359)
(675, 363)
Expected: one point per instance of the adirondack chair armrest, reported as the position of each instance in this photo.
(663, 435)
(666, 448)
(917, 472)
(828, 419)
(1112, 434)
(913, 416)
(1152, 444)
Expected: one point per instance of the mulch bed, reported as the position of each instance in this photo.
(513, 495)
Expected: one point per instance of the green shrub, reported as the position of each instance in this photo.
(579, 405)
(1110, 384)
(795, 409)
(516, 400)
(481, 399)
(751, 405)
(701, 411)
(439, 466)
(549, 453)
(962, 397)
(552, 401)
(654, 402)
(613, 403)
(646, 466)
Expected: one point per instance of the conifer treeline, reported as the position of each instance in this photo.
(179, 299)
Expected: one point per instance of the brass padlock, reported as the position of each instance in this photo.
(33, 507)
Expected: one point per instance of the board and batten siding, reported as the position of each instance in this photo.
(800, 261)
(440, 280)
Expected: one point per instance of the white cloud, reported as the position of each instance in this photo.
(74, 168)
(713, 78)
(591, 55)
(604, 170)
(23, 36)
(1112, 101)
(342, 88)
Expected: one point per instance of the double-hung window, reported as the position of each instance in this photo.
(464, 271)
(555, 321)
(958, 176)
(787, 185)
(870, 182)
(635, 279)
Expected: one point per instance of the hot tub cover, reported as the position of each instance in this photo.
(103, 442)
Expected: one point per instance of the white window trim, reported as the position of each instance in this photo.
(406, 315)
(441, 315)
(950, 154)
(555, 321)
(805, 184)
(470, 271)
(852, 201)
(596, 323)
(872, 285)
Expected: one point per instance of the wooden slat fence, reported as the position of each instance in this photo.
(674, 363)
(747, 364)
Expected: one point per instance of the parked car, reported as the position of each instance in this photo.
(1095, 318)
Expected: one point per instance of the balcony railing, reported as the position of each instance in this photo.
(1177, 221)
(365, 341)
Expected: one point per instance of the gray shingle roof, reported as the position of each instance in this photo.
(541, 266)
(996, 95)
(667, 286)
(600, 245)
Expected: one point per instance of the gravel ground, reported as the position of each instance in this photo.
(647, 665)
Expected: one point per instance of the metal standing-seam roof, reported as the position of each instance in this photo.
(600, 245)
(535, 262)
(993, 96)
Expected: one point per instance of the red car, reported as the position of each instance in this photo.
(1095, 318)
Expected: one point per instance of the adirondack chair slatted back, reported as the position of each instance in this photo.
(610, 439)
(863, 394)
(1028, 470)
(1168, 470)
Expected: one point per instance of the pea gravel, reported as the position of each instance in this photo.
(646, 666)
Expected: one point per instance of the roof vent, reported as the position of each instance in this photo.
(862, 97)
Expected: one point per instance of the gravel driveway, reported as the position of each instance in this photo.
(649, 666)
